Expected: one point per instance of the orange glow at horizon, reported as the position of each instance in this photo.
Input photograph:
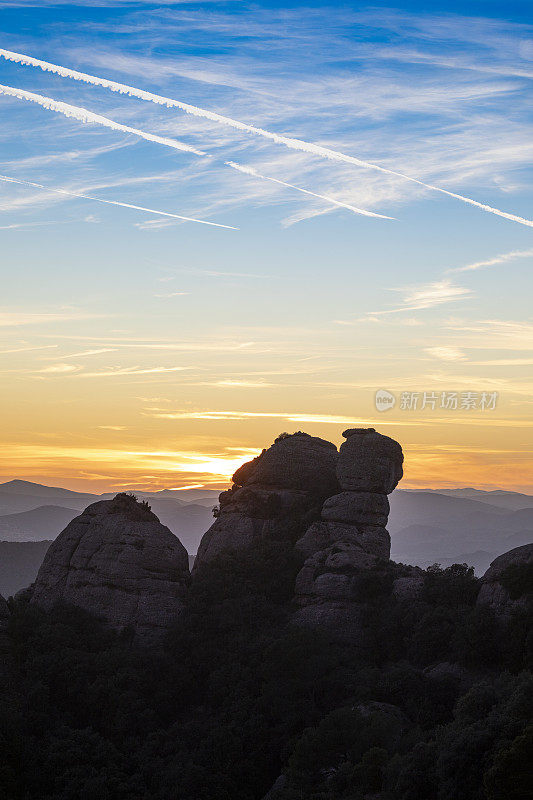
(427, 465)
(193, 427)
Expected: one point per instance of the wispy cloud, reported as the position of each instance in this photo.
(172, 294)
(25, 225)
(495, 334)
(120, 372)
(446, 353)
(29, 349)
(112, 427)
(418, 298)
(243, 384)
(428, 296)
(292, 143)
(329, 419)
(84, 353)
(503, 258)
(60, 369)
(10, 319)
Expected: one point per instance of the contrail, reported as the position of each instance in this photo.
(256, 174)
(84, 115)
(294, 144)
(7, 179)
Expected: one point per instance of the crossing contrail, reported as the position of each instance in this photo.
(256, 174)
(86, 116)
(7, 179)
(294, 144)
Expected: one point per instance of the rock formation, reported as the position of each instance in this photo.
(351, 537)
(117, 561)
(508, 582)
(274, 497)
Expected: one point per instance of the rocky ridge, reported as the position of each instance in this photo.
(117, 561)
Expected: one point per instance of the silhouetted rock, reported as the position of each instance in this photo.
(508, 582)
(117, 561)
(369, 462)
(351, 537)
(357, 508)
(320, 535)
(298, 462)
(273, 497)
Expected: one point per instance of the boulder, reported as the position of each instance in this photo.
(320, 535)
(297, 462)
(332, 574)
(274, 497)
(508, 582)
(117, 561)
(369, 462)
(357, 508)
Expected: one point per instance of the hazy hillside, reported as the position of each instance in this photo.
(17, 496)
(19, 564)
(497, 497)
(44, 522)
(428, 527)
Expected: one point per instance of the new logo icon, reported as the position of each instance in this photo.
(384, 400)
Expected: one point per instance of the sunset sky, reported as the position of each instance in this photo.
(146, 351)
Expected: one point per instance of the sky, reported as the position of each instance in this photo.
(140, 349)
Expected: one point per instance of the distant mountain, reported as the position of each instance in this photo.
(18, 496)
(25, 517)
(497, 497)
(428, 527)
(190, 495)
(38, 490)
(188, 522)
(19, 564)
(425, 526)
(44, 522)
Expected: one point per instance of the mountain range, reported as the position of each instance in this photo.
(445, 526)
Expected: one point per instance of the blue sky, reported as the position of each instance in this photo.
(306, 308)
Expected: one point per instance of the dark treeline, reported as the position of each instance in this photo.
(433, 702)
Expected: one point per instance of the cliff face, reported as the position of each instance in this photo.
(117, 561)
(273, 497)
(351, 538)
